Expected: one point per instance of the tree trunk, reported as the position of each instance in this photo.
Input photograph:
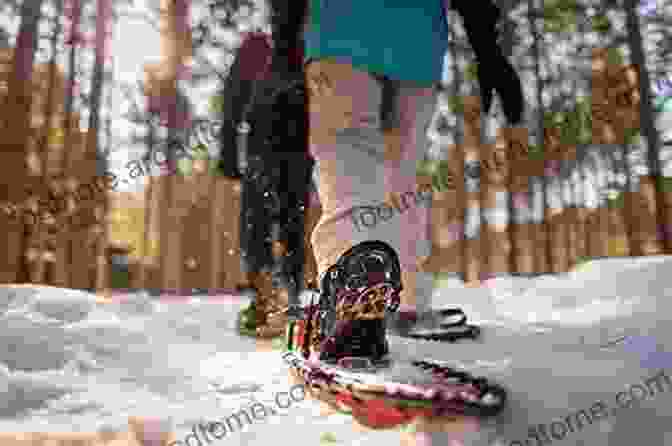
(103, 14)
(647, 119)
(105, 154)
(49, 105)
(176, 48)
(145, 260)
(541, 230)
(76, 12)
(20, 90)
(16, 123)
(48, 113)
(63, 261)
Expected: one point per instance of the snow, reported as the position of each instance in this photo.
(71, 361)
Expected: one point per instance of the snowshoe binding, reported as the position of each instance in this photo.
(356, 294)
(349, 318)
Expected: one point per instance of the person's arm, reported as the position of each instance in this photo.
(249, 64)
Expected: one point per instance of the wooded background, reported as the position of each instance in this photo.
(586, 178)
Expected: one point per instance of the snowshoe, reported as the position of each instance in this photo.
(449, 325)
(337, 346)
(396, 392)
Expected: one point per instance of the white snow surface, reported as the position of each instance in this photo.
(71, 363)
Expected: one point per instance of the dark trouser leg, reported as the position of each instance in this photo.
(256, 259)
(294, 190)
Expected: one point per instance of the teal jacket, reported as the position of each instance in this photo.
(403, 39)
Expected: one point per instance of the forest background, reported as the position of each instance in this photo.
(108, 77)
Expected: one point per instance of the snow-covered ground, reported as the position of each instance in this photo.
(69, 362)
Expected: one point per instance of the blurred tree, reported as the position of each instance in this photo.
(48, 132)
(103, 28)
(147, 252)
(15, 125)
(646, 111)
(73, 11)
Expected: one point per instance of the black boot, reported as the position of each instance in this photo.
(356, 294)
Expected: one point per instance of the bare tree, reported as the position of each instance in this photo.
(63, 262)
(16, 123)
(47, 127)
(103, 17)
(647, 118)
